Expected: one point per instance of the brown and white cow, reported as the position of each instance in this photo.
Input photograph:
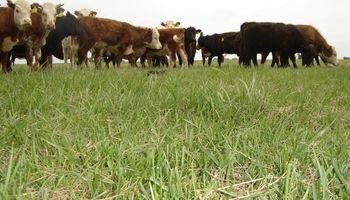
(70, 44)
(34, 37)
(322, 48)
(117, 37)
(173, 42)
(13, 19)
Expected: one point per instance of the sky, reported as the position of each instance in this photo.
(330, 17)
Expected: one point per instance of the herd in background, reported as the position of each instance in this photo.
(44, 31)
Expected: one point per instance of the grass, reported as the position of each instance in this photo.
(198, 133)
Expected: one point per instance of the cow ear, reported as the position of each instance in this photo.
(177, 24)
(93, 13)
(162, 24)
(59, 8)
(36, 8)
(198, 31)
(11, 4)
(77, 13)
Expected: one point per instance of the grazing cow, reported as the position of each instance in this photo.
(322, 48)
(190, 44)
(13, 19)
(319, 43)
(265, 37)
(172, 40)
(217, 45)
(114, 36)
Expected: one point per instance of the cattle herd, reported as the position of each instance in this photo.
(43, 31)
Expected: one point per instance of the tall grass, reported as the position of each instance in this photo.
(198, 133)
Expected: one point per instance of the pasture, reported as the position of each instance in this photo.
(197, 133)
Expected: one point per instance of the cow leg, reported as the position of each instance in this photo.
(83, 50)
(49, 60)
(165, 61)
(183, 56)
(203, 59)
(132, 60)
(292, 58)
(4, 59)
(119, 59)
(317, 60)
(29, 56)
(275, 59)
(191, 53)
(264, 57)
(180, 59)
(98, 58)
(210, 59)
(173, 59)
(220, 59)
(10, 61)
(255, 60)
(150, 62)
(65, 55)
(142, 60)
(284, 60)
(37, 57)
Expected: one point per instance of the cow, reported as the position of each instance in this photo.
(34, 37)
(67, 25)
(70, 44)
(217, 45)
(286, 39)
(322, 48)
(64, 26)
(117, 37)
(190, 44)
(172, 40)
(13, 19)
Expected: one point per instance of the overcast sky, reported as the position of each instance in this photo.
(330, 17)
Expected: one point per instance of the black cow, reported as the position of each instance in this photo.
(266, 37)
(65, 26)
(217, 45)
(190, 44)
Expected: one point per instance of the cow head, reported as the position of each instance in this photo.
(49, 13)
(68, 25)
(308, 53)
(330, 56)
(170, 24)
(191, 34)
(60, 12)
(22, 13)
(85, 13)
(155, 43)
(200, 41)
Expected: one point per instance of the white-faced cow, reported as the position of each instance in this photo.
(34, 37)
(13, 19)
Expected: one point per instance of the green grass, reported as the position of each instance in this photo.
(198, 133)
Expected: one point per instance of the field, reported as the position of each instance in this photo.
(197, 133)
